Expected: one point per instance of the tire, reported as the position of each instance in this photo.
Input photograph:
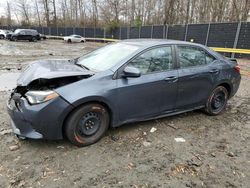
(82, 41)
(34, 39)
(87, 124)
(217, 101)
(69, 41)
(2, 37)
(14, 39)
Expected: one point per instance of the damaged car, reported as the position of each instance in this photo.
(123, 82)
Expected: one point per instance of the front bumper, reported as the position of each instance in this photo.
(41, 121)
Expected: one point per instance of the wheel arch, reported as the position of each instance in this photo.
(227, 86)
(78, 105)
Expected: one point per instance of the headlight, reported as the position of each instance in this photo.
(36, 97)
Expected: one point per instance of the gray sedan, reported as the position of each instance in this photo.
(123, 82)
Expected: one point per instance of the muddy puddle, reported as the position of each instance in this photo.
(8, 81)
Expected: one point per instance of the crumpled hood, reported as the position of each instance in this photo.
(49, 69)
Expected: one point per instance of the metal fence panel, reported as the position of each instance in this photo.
(134, 32)
(244, 38)
(69, 31)
(176, 32)
(99, 32)
(158, 32)
(222, 35)
(53, 31)
(78, 31)
(197, 33)
(124, 32)
(61, 31)
(89, 32)
(145, 32)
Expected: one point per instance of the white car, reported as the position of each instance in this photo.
(3, 33)
(74, 38)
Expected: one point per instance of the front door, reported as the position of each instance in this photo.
(154, 91)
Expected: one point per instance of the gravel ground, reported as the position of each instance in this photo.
(187, 150)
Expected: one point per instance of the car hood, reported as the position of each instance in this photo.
(49, 69)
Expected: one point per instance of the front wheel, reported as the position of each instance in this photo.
(14, 39)
(217, 101)
(87, 124)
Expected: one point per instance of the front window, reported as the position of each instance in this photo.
(107, 57)
(154, 60)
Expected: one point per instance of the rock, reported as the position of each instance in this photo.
(195, 162)
(231, 154)
(6, 131)
(114, 138)
(179, 139)
(213, 155)
(153, 129)
(60, 147)
(14, 147)
(146, 144)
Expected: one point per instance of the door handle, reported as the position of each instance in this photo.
(171, 79)
(214, 71)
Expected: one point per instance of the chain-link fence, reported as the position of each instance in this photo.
(225, 35)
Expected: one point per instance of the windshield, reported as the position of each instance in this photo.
(106, 57)
(17, 31)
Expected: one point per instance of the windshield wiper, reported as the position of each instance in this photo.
(80, 65)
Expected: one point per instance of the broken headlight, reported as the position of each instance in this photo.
(37, 97)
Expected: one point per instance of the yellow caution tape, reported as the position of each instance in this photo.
(231, 50)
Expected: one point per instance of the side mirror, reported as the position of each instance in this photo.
(131, 72)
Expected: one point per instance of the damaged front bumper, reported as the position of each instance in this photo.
(40, 121)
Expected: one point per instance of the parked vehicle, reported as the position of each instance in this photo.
(42, 36)
(128, 81)
(74, 38)
(24, 34)
(4, 33)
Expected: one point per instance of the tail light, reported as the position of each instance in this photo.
(237, 68)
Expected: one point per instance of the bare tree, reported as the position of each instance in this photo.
(8, 13)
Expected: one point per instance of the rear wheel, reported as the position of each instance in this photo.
(87, 124)
(34, 39)
(217, 101)
(2, 37)
(69, 41)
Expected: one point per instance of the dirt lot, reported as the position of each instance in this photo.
(216, 151)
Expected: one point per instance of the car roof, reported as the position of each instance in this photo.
(155, 42)
(27, 30)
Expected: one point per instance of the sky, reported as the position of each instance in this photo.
(2, 7)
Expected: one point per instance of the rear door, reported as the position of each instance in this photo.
(198, 73)
(154, 91)
(21, 35)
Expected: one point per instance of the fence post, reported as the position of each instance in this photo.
(236, 38)
(152, 29)
(120, 33)
(208, 30)
(186, 32)
(139, 32)
(167, 32)
(128, 31)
